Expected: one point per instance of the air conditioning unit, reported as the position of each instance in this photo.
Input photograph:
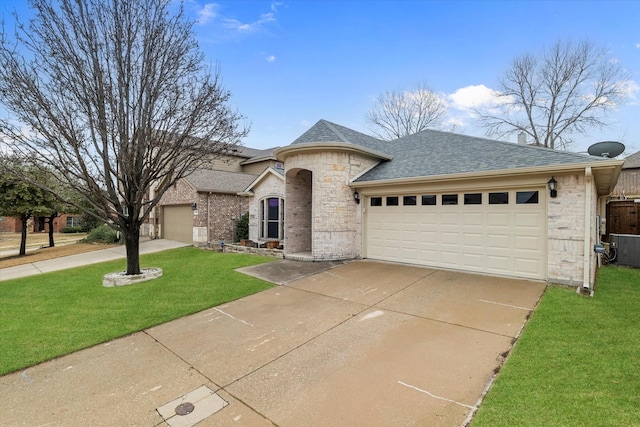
(627, 247)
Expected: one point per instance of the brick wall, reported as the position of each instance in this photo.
(220, 214)
(217, 214)
(298, 211)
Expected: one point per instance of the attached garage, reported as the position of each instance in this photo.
(177, 223)
(499, 232)
(445, 200)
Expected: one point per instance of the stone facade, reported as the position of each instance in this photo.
(565, 231)
(328, 209)
(270, 186)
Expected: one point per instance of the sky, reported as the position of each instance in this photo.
(290, 63)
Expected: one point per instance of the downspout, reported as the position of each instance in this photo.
(588, 184)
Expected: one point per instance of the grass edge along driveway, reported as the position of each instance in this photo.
(50, 315)
(577, 362)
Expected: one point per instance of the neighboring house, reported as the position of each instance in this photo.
(204, 208)
(39, 224)
(441, 200)
(623, 209)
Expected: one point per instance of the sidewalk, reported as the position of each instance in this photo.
(94, 257)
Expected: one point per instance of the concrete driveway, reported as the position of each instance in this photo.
(362, 343)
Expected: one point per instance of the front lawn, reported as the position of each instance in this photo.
(49, 315)
(577, 362)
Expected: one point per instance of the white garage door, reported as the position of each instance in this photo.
(177, 223)
(494, 232)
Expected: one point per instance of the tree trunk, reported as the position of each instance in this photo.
(51, 218)
(131, 236)
(23, 237)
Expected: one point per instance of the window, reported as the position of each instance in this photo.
(429, 200)
(73, 221)
(409, 200)
(449, 199)
(526, 197)
(376, 201)
(473, 199)
(392, 201)
(499, 198)
(271, 218)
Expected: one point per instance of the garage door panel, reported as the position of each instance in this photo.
(506, 239)
(473, 240)
(177, 223)
(473, 260)
(531, 243)
(499, 220)
(498, 241)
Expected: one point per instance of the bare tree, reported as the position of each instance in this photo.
(565, 91)
(114, 96)
(401, 113)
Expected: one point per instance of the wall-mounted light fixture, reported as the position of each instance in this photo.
(356, 197)
(553, 187)
(194, 206)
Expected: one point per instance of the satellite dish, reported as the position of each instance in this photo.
(606, 149)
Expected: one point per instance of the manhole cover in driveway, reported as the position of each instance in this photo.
(184, 408)
(191, 408)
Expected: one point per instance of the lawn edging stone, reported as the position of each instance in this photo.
(121, 278)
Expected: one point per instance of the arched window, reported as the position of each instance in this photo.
(272, 218)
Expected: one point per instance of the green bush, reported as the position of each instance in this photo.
(242, 227)
(103, 233)
(70, 229)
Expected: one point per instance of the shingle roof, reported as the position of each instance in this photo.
(431, 152)
(217, 181)
(632, 162)
(325, 131)
(260, 155)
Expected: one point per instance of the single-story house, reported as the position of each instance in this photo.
(623, 209)
(436, 199)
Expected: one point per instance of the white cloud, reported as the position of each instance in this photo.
(207, 13)
(271, 58)
(235, 25)
(638, 45)
(471, 97)
(275, 5)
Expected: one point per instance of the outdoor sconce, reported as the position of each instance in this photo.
(194, 206)
(553, 187)
(356, 197)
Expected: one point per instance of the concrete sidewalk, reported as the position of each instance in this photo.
(358, 344)
(94, 257)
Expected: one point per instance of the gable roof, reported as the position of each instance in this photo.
(215, 181)
(248, 190)
(432, 153)
(632, 162)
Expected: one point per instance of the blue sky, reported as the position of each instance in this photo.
(290, 63)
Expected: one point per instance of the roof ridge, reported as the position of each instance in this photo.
(333, 128)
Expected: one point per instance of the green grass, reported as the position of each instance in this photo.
(49, 315)
(577, 362)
